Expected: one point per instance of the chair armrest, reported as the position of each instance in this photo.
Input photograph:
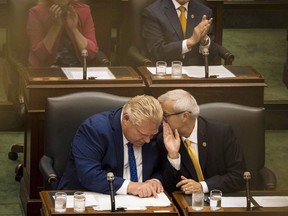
(268, 178)
(102, 60)
(46, 169)
(137, 58)
(225, 54)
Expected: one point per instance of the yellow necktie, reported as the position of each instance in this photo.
(194, 159)
(182, 18)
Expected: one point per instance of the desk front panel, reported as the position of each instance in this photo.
(247, 88)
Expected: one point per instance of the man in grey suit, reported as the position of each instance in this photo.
(218, 155)
(167, 39)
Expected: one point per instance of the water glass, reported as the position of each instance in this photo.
(161, 67)
(79, 201)
(60, 202)
(197, 200)
(176, 69)
(215, 199)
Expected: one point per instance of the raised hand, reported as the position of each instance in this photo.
(171, 141)
(200, 31)
(56, 14)
(72, 18)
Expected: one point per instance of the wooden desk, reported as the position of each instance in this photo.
(246, 88)
(36, 86)
(48, 208)
(183, 202)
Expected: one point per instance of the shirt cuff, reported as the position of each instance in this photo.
(204, 187)
(185, 49)
(175, 162)
(123, 189)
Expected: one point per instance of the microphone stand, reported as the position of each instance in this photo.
(110, 179)
(84, 53)
(247, 177)
(204, 49)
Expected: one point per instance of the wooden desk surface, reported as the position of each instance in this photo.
(184, 205)
(48, 208)
(246, 88)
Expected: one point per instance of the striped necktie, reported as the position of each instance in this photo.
(132, 163)
(183, 19)
(194, 159)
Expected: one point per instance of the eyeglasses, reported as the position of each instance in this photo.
(166, 115)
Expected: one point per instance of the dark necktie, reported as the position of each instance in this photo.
(132, 163)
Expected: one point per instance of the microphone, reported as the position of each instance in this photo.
(110, 179)
(84, 53)
(247, 177)
(204, 49)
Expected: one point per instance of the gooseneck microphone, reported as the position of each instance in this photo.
(110, 179)
(247, 177)
(84, 53)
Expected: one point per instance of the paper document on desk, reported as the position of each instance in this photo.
(129, 202)
(265, 201)
(92, 72)
(218, 71)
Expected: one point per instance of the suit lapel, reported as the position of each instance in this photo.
(193, 18)
(170, 12)
(118, 140)
(202, 144)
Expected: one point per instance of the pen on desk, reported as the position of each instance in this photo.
(213, 76)
(92, 78)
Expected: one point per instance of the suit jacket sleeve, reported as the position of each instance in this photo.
(94, 152)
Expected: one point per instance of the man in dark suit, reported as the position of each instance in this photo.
(167, 39)
(217, 152)
(101, 145)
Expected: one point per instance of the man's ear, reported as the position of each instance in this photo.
(125, 117)
(186, 115)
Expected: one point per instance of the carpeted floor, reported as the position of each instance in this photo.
(263, 49)
(9, 193)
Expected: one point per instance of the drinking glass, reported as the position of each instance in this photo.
(161, 67)
(197, 200)
(215, 199)
(79, 201)
(176, 69)
(60, 202)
